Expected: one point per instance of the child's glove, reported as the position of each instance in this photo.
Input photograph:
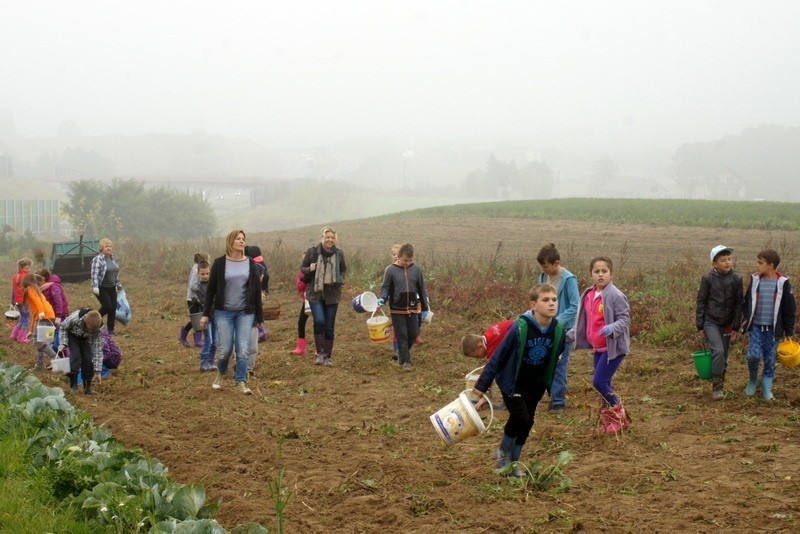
(96, 291)
(606, 330)
(570, 336)
(381, 302)
(424, 314)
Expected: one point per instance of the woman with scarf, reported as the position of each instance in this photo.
(324, 267)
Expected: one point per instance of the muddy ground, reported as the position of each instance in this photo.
(360, 453)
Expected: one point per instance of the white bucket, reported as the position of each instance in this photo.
(365, 302)
(195, 318)
(45, 332)
(470, 379)
(379, 327)
(460, 420)
(60, 366)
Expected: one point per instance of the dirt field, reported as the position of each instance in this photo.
(361, 454)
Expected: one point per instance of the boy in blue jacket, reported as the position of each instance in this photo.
(523, 367)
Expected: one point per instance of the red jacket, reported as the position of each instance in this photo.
(494, 335)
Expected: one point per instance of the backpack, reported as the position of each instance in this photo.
(522, 328)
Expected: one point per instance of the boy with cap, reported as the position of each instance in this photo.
(719, 312)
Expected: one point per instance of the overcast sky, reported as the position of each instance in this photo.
(644, 74)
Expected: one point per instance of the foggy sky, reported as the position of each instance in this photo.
(643, 75)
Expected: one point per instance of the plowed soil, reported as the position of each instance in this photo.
(358, 448)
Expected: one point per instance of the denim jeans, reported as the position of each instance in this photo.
(558, 390)
(234, 326)
(324, 318)
(209, 344)
(762, 347)
(252, 352)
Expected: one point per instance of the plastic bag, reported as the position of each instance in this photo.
(123, 308)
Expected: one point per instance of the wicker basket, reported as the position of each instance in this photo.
(272, 311)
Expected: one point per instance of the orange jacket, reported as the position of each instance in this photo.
(37, 304)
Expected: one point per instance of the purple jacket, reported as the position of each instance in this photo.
(617, 313)
(54, 293)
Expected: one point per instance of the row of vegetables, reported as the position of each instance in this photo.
(114, 488)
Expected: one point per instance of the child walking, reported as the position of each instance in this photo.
(402, 285)
(523, 367)
(603, 324)
(305, 311)
(80, 332)
(43, 312)
(566, 285)
(719, 312)
(769, 315)
(198, 292)
(193, 307)
(20, 330)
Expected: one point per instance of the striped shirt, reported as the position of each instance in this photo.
(765, 302)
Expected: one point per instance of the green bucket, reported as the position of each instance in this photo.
(702, 363)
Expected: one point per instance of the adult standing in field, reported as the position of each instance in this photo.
(234, 299)
(568, 295)
(325, 263)
(105, 282)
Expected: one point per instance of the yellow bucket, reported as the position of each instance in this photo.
(379, 327)
(789, 352)
(459, 420)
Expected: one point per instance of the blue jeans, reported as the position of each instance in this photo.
(209, 345)
(234, 326)
(324, 318)
(558, 390)
(762, 347)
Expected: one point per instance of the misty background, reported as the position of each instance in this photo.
(281, 114)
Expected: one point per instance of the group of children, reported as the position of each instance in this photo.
(41, 300)
(766, 312)
(526, 356)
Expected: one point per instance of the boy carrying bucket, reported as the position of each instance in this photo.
(402, 287)
(719, 312)
(523, 367)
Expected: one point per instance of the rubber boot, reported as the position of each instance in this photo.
(752, 367)
(300, 349)
(717, 390)
(518, 471)
(22, 335)
(73, 382)
(766, 387)
(87, 387)
(319, 341)
(182, 336)
(14, 332)
(504, 452)
(198, 339)
(622, 416)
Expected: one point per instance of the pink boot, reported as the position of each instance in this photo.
(22, 336)
(300, 349)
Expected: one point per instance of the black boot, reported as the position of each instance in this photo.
(87, 387)
(73, 382)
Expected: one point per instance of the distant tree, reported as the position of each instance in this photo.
(762, 162)
(504, 180)
(125, 208)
